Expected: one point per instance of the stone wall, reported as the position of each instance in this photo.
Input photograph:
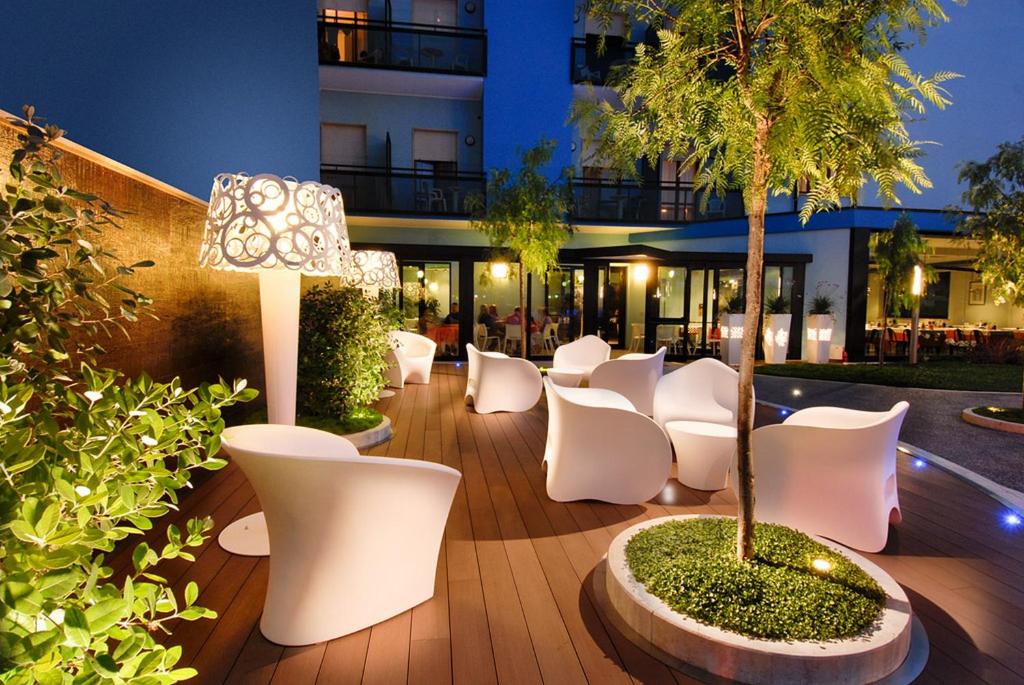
(209, 321)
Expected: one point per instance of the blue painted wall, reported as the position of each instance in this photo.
(527, 94)
(398, 115)
(179, 90)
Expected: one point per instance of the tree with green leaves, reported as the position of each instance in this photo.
(758, 95)
(897, 251)
(526, 215)
(995, 195)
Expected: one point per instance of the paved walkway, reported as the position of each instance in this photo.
(933, 422)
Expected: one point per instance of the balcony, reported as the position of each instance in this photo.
(588, 64)
(628, 202)
(384, 190)
(357, 42)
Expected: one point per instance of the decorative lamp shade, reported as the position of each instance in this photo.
(268, 222)
(372, 268)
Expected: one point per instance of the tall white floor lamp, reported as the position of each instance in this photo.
(373, 271)
(281, 229)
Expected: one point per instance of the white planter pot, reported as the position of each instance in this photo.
(732, 337)
(819, 337)
(775, 337)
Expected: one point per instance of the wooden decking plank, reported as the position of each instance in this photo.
(256, 662)
(344, 659)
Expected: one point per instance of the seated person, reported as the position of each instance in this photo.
(453, 315)
(487, 319)
(515, 318)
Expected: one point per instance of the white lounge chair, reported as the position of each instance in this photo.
(410, 359)
(497, 382)
(831, 472)
(584, 354)
(353, 540)
(634, 376)
(704, 390)
(599, 447)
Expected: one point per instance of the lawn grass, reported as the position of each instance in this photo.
(951, 374)
(691, 565)
(1011, 414)
(356, 421)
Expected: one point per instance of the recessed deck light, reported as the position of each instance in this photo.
(821, 565)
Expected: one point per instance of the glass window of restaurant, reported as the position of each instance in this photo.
(430, 303)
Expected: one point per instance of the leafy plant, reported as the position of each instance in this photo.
(995, 193)
(691, 565)
(525, 215)
(777, 305)
(733, 305)
(389, 309)
(758, 97)
(87, 457)
(822, 305)
(343, 343)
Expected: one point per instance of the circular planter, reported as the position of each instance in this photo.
(371, 436)
(969, 416)
(685, 643)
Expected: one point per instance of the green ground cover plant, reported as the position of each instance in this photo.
(1011, 414)
(691, 565)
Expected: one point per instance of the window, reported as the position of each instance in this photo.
(343, 144)
(342, 41)
(437, 12)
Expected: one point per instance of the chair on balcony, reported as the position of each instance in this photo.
(634, 376)
(410, 359)
(460, 63)
(340, 527)
(599, 447)
(831, 472)
(497, 382)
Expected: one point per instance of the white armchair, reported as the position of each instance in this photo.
(831, 472)
(410, 359)
(353, 540)
(634, 376)
(703, 390)
(599, 447)
(584, 354)
(497, 382)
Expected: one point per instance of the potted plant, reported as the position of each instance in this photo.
(730, 319)
(775, 332)
(820, 318)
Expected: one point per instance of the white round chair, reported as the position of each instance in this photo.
(832, 472)
(634, 376)
(584, 354)
(353, 540)
(703, 390)
(410, 359)
(497, 382)
(599, 447)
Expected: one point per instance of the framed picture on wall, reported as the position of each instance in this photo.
(976, 293)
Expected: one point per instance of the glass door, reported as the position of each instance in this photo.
(611, 305)
(667, 312)
(430, 303)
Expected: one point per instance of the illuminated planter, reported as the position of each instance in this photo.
(819, 337)
(775, 337)
(732, 337)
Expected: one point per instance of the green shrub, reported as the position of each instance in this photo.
(88, 458)
(691, 565)
(343, 343)
(733, 305)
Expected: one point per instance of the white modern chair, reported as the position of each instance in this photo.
(634, 376)
(549, 338)
(410, 359)
(584, 354)
(703, 390)
(497, 382)
(513, 338)
(636, 337)
(483, 338)
(353, 540)
(831, 472)
(599, 447)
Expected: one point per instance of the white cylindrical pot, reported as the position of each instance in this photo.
(775, 337)
(819, 337)
(731, 326)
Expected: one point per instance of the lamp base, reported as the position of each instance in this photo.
(384, 394)
(247, 537)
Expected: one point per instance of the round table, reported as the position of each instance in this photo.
(704, 453)
(566, 376)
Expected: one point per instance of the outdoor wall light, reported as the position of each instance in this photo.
(279, 228)
(419, 273)
(499, 269)
(470, 140)
(641, 273)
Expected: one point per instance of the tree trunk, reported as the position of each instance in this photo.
(524, 316)
(758, 199)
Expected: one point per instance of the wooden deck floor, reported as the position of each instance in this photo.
(513, 602)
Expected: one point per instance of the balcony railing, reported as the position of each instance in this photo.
(394, 45)
(588, 64)
(383, 190)
(650, 203)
